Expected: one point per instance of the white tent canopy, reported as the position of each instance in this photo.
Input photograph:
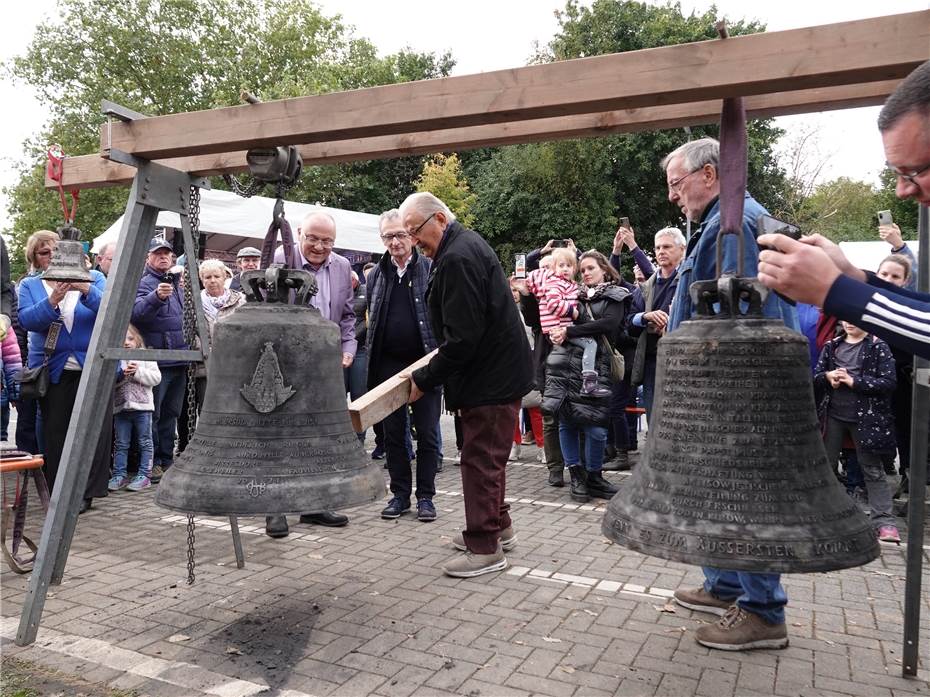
(868, 255)
(231, 222)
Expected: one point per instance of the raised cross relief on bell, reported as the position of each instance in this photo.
(267, 390)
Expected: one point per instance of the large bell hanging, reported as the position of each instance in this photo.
(274, 435)
(67, 263)
(734, 473)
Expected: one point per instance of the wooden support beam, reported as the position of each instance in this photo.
(384, 399)
(93, 171)
(868, 50)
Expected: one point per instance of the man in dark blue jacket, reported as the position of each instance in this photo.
(399, 333)
(158, 314)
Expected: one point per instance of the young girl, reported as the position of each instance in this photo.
(557, 293)
(133, 406)
(857, 375)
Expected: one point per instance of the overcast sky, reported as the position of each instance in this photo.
(488, 35)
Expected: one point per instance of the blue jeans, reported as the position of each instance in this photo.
(133, 427)
(169, 403)
(595, 438)
(760, 594)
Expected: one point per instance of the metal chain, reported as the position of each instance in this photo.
(190, 549)
(189, 323)
(247, 191)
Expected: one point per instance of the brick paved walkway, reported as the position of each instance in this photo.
(364, 610)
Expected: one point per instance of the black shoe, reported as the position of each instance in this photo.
(377, 453)
(395, 508)
(599, 487)
(276, 526)
(556, 478)
(579, 487)
(610, 452)
(327, 518)
(86, 505)
(621, 463)
(439, 465)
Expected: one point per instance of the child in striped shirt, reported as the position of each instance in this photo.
(556, 291)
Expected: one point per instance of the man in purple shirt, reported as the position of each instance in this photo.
(335, 301)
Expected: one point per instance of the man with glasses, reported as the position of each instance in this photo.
(815, 270)
(751, 605)
(399, 333)
(105, 258)
(335, 300)
(484, 366)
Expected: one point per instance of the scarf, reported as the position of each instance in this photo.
(593, 293)
(211, 305)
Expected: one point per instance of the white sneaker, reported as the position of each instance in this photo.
(541, 457)
(514, 453)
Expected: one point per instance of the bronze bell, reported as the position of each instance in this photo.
(67, 262)
(734, 474)
(274, 435)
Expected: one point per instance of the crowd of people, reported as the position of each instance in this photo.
(571, 342)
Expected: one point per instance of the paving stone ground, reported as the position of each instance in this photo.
(365, 610)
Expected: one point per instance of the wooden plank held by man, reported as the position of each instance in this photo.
(386, 398)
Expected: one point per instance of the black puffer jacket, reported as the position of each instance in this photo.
(562, 395)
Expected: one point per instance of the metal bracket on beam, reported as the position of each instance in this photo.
(152, 354)
(117, 111)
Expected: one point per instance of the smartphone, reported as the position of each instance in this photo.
(624, 222)
(767, 225)
(520, 267)
(559, 243)
(884, 218)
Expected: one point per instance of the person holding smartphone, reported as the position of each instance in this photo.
(158, 315)
(891, 233)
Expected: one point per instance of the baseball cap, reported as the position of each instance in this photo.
(248, 252)
(159, 243)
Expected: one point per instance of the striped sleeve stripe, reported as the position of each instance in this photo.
(897, 308)
(923, 337)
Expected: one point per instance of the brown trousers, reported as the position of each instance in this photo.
(487, 433)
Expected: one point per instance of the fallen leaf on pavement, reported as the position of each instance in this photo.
(233, 650)
(175, 638)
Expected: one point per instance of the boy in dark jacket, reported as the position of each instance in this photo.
(856, 373)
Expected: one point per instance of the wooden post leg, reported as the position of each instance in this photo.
(237, 541)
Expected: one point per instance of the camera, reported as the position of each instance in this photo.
(168, 278)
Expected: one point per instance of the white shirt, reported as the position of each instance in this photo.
(66, 309)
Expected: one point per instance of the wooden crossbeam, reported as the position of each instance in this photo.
(861, 51)
(93, 171)
(386, 398)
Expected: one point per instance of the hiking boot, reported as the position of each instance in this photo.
(620, 463)
(739, 630)
(276, 526)
(590, 387)
(507, 537)
(395, 508)
(515, 453)
(117, 483)
(139, 482)
(471, 564)
(600, 488)
(889, 533)
(702, 601)
(426, 511)
(157, 473)
(556, 478)
(579, 486)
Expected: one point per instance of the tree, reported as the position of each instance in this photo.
(903, 212)
(167, 56)
(842, 209)
(530, 193)
(442, 176)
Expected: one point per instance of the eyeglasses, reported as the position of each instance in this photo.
(675, 184)
(420, 226)
(317, 242)
(910, 176)
(46, 253)
(391, 236)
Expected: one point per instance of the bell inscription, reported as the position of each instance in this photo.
(734, 473)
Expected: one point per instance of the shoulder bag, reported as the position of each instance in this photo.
(34, 382)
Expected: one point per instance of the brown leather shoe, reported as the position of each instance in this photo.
(702, 601)
(739, 630)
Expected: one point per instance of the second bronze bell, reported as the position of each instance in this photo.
(274, 435)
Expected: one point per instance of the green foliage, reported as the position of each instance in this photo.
(904, 213)
(579, 189)
(167, 56)
(442, 176)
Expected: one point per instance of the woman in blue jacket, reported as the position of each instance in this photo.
(75, 307)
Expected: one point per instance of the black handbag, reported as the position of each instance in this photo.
(34, 382)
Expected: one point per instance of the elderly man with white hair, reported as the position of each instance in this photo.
(335, 299)
(650, 308)
(484, 365)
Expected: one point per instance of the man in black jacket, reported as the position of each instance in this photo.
(484, 364)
